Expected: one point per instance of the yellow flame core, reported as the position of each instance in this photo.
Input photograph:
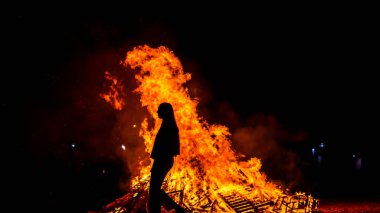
(207, 164)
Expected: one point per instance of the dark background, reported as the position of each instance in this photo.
(313, 69)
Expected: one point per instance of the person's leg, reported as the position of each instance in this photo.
(170, 203)
(154, 189)
(158, 172)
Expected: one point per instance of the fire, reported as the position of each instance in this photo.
(116, 94)
(207, 167)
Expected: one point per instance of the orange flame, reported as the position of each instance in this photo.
(207, 165)
(116, 94)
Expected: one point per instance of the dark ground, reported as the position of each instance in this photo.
(356, 206)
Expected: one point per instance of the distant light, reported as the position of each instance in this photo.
(103, 171)
(134, 125)
(313, 151)
(353, 155)
(322, 145)
(122, 147)
(319, 160)
(73, 145)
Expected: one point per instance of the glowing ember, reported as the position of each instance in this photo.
(207, 167)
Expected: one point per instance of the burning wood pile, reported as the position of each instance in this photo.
(236, 201)
(208, 175)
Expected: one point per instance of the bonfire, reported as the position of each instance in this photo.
(208, 175)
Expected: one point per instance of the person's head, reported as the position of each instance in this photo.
(165, 111)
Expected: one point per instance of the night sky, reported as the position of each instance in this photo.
(308, 75)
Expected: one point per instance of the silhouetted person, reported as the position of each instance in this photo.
(165, 148)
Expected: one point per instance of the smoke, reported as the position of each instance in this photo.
(253, 133)
(264, 137)
(130, 146)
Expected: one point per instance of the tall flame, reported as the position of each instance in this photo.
(207, 165)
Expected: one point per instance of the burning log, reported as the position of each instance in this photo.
(132, 202)
(299, 201)
(238, 203)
